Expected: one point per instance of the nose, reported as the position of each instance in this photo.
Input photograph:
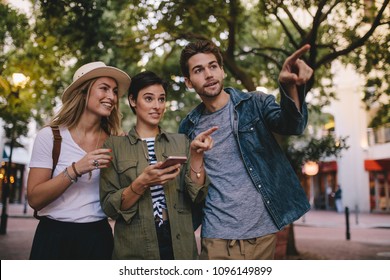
(156, 104)
(207, 72)
(111, 94)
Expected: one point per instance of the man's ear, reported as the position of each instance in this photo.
(188, 83)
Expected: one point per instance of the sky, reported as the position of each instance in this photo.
(22, 5)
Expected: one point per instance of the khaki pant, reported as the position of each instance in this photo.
(261, 248)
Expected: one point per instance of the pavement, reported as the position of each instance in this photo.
(319, 235)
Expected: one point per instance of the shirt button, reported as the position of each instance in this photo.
(250, 168)
(251, 128)
(259, 186)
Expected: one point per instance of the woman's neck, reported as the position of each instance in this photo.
(146, 131)
(88, 124)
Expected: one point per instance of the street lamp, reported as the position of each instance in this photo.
(311, 168)
(19, 81)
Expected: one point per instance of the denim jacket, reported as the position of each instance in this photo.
(256, 115)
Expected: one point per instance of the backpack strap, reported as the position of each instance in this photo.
(56, 146)
(55, 153)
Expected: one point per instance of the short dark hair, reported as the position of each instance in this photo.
(193, 48)
(143, 80)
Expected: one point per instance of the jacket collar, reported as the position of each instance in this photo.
(236, 96)
(133, 136)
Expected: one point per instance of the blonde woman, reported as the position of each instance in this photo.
(72, 224)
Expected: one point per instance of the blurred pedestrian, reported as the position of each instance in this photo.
(72, 224)
(337, 200)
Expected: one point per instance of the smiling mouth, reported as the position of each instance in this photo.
(107, 105)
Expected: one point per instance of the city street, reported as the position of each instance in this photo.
(318, 235)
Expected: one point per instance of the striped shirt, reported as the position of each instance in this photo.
(157, 191)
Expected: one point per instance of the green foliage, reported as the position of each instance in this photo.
(314, 149)
(255, 37)
(15, 104)
(13, 33)
(15, 110)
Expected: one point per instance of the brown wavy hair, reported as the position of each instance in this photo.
(193, 48)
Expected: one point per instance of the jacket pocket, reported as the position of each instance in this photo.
(127, 170)
(250, 133)
(250, 126)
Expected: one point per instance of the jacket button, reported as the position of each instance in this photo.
(178, 236)
(259, 186)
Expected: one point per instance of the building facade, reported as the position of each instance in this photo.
(363, 171)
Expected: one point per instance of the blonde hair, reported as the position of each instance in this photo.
(74, 104)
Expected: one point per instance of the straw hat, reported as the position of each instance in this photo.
(95, 70)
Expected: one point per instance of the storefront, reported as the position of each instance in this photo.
(321, 187)
(17, 185)
(379, 174)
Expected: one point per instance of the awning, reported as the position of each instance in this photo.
(328, 166)
(377, 165)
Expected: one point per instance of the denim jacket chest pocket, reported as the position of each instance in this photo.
(250, 132)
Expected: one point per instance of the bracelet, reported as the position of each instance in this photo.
(74, 170)
(131, 187)
(197, 172)
(66, 174)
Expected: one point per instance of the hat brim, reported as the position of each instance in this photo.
(123, 80)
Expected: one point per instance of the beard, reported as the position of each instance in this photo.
(210, 91)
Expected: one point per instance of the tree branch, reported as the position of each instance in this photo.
(231, 23)
(300, 30)
(289, 35)
(260, 52)
(356, 44)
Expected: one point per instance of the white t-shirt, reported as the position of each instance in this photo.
(80, 203)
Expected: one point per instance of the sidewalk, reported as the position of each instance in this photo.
(318, 235)
(324, 234)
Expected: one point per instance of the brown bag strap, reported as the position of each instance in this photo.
(55, 153)
(56, 146)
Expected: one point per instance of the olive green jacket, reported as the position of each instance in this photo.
(134, 233)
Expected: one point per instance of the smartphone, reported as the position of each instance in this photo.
(172, 160)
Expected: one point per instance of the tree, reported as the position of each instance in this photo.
(255, 36)
(132, 34)
(15, 106)
(254, 47)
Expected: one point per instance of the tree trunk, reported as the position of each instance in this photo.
(291, 248)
